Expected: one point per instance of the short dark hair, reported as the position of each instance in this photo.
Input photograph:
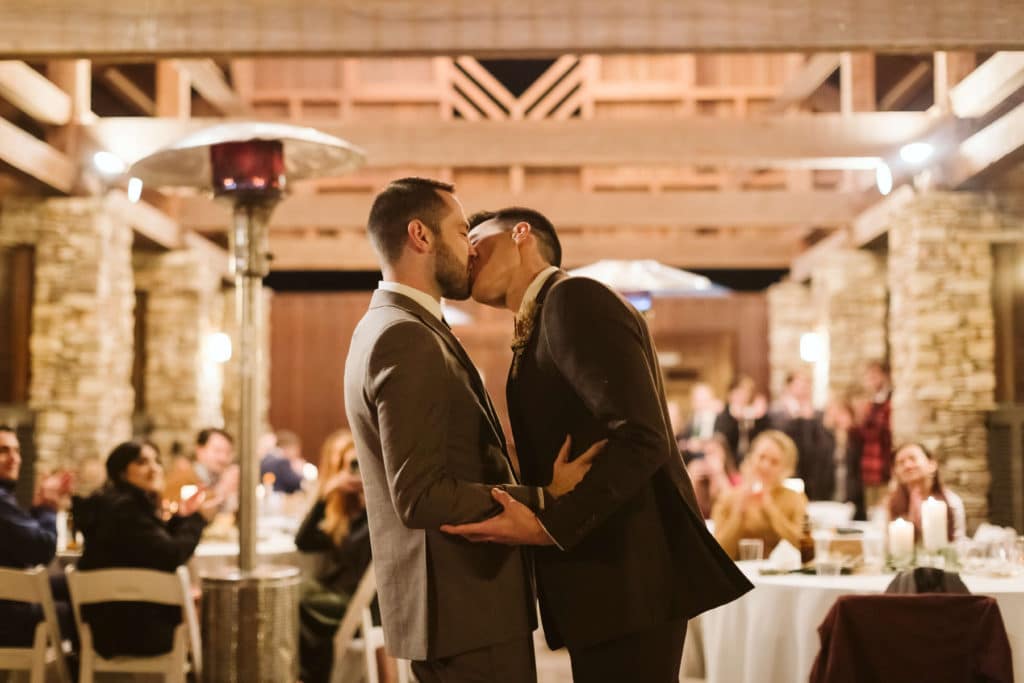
(542, 228)
(8, 428)
(399, 203)
(204, 435)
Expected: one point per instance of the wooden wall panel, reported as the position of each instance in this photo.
(310, 333)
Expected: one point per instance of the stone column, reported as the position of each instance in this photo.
(941, 334)
(790, 315)
(82, 325)
(849, 290)
(184, 308)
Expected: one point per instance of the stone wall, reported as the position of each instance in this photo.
(82, 324)
(941, 334)
(850, 303)
(183, 384)
(790, 314)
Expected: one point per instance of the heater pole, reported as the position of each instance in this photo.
(249, 264)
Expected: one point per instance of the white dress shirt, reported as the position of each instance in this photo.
(422, 298)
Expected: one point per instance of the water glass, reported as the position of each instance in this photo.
(751, 549)
(828, 566)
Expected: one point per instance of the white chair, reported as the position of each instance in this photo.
(373, 640)
(137, 585)
(33, 586)
(348, 648)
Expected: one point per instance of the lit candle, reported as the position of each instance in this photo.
(934, 529)
(901, 538)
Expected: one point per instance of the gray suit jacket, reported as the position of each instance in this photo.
(430, 449)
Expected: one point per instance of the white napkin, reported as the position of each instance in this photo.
(991, 533)
(785, 557)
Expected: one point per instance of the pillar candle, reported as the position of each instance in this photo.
(934, 529)
(901, 538)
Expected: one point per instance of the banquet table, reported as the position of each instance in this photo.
(770, 635)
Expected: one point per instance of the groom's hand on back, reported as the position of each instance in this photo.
(565, 474)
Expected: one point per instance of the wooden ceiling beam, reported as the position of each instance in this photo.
(991, 150)
(34, 93)
(125, 89)
(761, 209)
(800, 141)
(352, 250)
(498, 28)
(815, 71)
(211, 84)
(907, 88)
(35, 158)
(988, 85)
(146, 219)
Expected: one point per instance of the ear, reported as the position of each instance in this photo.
(521, 232)
(420, 236)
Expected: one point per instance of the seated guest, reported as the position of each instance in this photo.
(761, 507)
(336, 526)
(29, 538)
(917, 479)
(285, 463)
(212, 470)
(743, 417)
(123, 528)
(713, 473)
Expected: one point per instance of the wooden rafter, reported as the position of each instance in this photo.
(35, 158)
(169, 28)
(906, 88)
(126, 90)
(993, 148)
(809, 78)
(211, 84)
(808, 141)
(988, 85)
(590, 209)
(146, 219)
(34, 94)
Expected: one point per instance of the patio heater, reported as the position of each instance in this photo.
(246, 610)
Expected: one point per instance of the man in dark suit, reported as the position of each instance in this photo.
(431, 450)
(634, 560)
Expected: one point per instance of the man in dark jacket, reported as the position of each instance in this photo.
(632, 559)
(26, 539)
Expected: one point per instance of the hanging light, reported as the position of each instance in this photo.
(810, 347)
(108, 163)
(883, 178)
(917, 153)
(134, 189)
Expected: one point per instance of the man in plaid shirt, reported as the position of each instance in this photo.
(876, 435)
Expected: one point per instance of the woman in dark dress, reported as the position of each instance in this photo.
(123, 528)
(336, 526)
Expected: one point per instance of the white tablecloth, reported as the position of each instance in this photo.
(279, 550)
(770, 635)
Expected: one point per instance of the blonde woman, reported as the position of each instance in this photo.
(335, 526)
(761, 507)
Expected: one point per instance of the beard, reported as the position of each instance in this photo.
(451, 275)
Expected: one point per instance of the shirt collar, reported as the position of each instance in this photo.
(530, 296)
(422, 298)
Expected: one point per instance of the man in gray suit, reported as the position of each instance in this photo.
(432, 452)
